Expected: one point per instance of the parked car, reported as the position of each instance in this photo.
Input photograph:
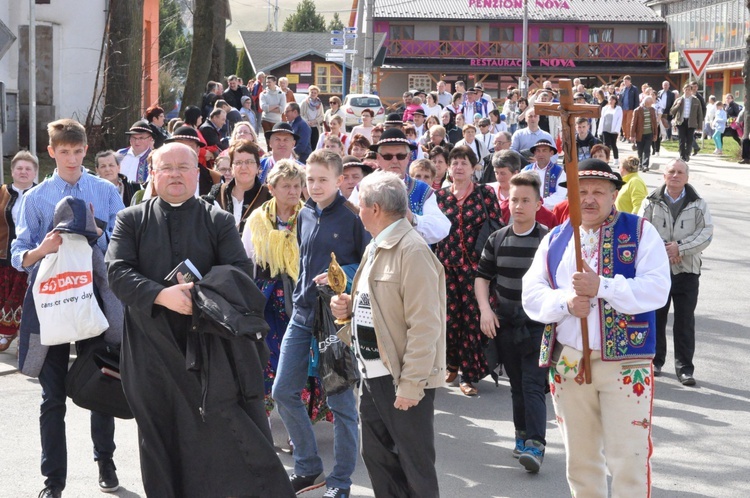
(355, 103)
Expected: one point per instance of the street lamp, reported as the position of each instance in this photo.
(524, 83)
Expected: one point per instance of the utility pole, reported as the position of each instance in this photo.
(369, 46)
(524, 84)
(32, 78)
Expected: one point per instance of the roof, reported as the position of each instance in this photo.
(268, 50)
(559, 10)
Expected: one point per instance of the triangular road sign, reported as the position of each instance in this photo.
(698, 59)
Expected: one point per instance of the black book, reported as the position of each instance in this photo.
(189, 272)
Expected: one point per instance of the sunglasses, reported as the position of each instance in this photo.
(389, 157)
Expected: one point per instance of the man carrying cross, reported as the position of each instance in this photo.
(609, 283)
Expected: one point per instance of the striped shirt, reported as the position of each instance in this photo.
(509, 264)
(38, 210)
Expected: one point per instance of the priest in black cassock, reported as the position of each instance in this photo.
(202, 434)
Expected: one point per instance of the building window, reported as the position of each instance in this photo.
(597, 36)
(328, 78)
(649, 36)
(548, 37)
(401, 32)
(452, 33)
(502, 34)
(420, 82)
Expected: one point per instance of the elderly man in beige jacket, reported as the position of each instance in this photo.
(398, 314)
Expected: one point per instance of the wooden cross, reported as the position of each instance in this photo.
(569, 112)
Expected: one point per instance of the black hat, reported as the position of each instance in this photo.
(281, 128)
(420, 92)
(74, 216)
(478, 88)
(579, 95)
(393, 136)
(597, 169)
(546, 142)
(419, 111)
(185, 133)
(394, 118)
(351, 161)
(140, 126)
(471, 90)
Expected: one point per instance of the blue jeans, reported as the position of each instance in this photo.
(291, 377)
(52, 420)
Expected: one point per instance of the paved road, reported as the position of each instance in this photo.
(698, 432)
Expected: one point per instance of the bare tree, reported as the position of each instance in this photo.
(200, 57)
(122, 77)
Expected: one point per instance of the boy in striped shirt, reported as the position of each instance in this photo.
(505, 259)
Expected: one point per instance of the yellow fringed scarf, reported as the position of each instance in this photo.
(275, 249)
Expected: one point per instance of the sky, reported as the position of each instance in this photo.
(252, 15)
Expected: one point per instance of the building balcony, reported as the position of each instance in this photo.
(594, 52)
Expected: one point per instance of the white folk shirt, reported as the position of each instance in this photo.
(129, 164)
(560, 193)
(646, 292)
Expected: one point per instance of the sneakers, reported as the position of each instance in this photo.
(336, 493)
(532, 456)
(108, 482)
(520, 444)
(50, 492)
(300, 484)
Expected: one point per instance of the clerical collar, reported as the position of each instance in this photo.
(175, 205)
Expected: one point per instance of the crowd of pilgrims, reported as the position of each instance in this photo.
(460, 150)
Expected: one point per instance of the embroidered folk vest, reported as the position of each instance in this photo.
(418, 192)
(549, 186)
(623, 336)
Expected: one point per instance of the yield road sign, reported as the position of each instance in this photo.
(6, 39)
(698, 59)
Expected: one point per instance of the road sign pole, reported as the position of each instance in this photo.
(343, 75)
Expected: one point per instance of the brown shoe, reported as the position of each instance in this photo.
(6, 341)
(468, 389)
(450, 375)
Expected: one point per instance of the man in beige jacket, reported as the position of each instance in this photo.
(398, 314)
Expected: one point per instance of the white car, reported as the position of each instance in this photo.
(355, 103)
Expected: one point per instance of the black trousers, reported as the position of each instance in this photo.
(52, 420)
(398, 446)
(610, 140)
(644, 150)
(684, 295)
(528, 383)
(686, 140)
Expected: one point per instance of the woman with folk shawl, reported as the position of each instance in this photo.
(270, 240)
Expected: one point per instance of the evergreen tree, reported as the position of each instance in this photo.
(336, 23)
(230, 57)
(174, 44)
(244, 68)
(305, 19)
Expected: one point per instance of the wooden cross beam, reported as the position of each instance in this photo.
(569, 112)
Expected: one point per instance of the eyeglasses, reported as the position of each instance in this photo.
(246, 162)
(389, 157)
(501, 143)
(179, 169)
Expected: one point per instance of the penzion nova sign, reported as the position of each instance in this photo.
(518, 4)
(518, 63)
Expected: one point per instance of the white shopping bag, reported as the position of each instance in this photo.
(64, 294)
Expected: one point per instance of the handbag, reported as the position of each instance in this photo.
(93, 381)
(489, 227)
(337, 367)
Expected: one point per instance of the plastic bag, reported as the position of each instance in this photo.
(64, 294)
(337, 366)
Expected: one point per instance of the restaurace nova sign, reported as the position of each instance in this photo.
(518, 63)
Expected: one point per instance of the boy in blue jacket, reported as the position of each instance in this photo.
(327, 223)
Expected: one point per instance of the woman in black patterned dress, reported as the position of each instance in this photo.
(462, 204)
